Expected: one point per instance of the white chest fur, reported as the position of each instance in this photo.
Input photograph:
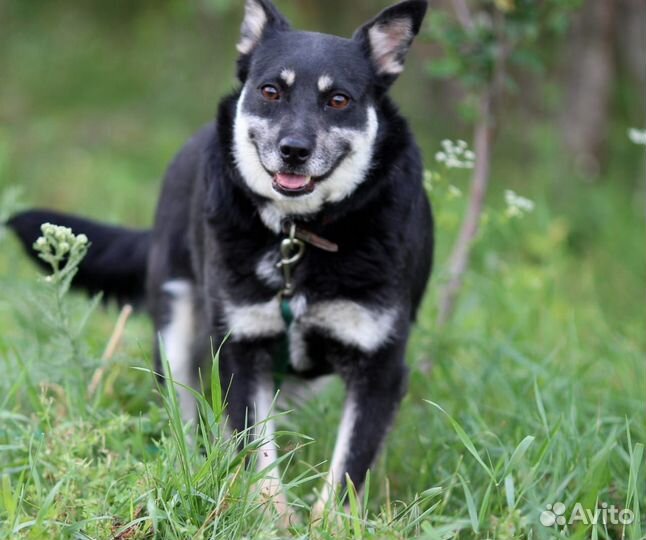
(351, 323)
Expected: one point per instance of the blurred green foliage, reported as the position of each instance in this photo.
(490, 46)
(508, 30)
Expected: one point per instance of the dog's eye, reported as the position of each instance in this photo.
(339, 101)
(270, 92)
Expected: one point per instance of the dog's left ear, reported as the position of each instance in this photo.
(387, 38)
(260, 18)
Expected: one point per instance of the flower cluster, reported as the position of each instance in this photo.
(455, 155)
(433, 180)
(517, 206)
(638, 136)
(58, 244)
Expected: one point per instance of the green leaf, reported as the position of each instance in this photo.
(518, 453)
(216, 388)
(355, 514)
(8, 501)
(471, 506)
(444, 68)
(465, 439)
(510, 492)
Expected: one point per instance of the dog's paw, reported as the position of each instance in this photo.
(271, 492)
(317, 513)
(323, 514)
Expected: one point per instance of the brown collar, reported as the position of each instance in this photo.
(310, 238)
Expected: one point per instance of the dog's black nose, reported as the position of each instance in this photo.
(295, 151)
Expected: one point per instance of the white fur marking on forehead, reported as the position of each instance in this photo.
(253, 25)
(288, 76)
(325, 83)
(388, 42)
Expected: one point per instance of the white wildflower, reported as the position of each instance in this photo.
(517, 205)
(428, 180)
(638, 136)
(58, 244)
(455, 155)
(454, 192)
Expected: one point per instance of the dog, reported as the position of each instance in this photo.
(296, 222)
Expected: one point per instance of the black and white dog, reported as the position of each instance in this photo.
(299, 215)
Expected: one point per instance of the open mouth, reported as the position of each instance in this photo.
(293, 184)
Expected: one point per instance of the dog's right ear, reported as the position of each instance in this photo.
(260, 18)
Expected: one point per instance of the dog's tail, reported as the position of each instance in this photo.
(116, 259)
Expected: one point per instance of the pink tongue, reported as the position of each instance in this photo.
(292, 181)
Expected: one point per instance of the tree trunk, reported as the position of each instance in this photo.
(590, 72)
(459, 260)
(631, 39)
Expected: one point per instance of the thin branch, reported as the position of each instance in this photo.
(463, 13)
(483, 137)
(459, 259)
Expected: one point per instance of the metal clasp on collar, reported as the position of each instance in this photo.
(291, 252)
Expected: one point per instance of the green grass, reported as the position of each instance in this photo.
(533, 395)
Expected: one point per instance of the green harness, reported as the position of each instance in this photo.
(292, 249)
(281, 358)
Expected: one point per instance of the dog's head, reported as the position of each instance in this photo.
(306, 122)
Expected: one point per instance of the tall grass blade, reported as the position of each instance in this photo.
(465, 439)
(471, 506)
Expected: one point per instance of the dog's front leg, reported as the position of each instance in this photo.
(248, 387)
(375, 386)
